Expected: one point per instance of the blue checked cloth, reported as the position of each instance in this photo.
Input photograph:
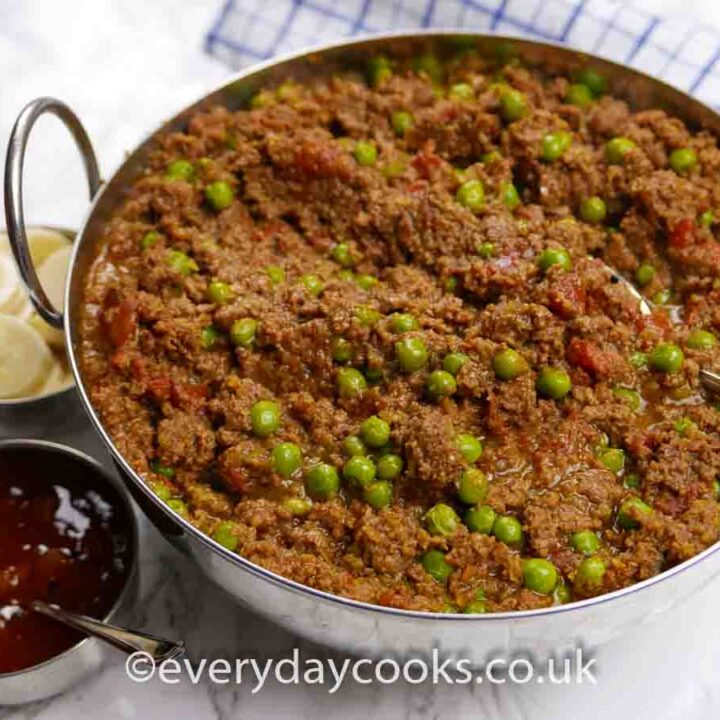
(682, 53)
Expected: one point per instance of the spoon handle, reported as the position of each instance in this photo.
(128, 641)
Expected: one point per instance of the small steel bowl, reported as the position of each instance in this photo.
(37, 416)
(74, 664)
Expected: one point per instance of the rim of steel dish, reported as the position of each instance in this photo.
(686, 106)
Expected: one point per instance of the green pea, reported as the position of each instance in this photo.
(509, 364)
(243, 332)
(430, 66)
(219, 195)
(486, 250)
(313, 284)
(701, 340)
(341, 350)
(561, 594)
(275, 273)
(401, 122)
(644, 274)
(163, 470)
(590, 571)
(508, 529)
(441, 519)
(489, 158)
(473, 486)
(180, 262)
(411, 353)
(359, 469)
(367, 316)
(553, 383)
(683, 160)
(287, 458)
(379, 70)
(435, 565)
(632, 481)
(616, 150)
(347, 275)
(593, 210)
(178, 506)
(716, 489)
(208, 337)
(578, 95)
(509, 195)
(297, 506)
(149, 239)
(350, 383)
(403, 322)
(480, 519)
(180, 170)
(378, 494)
(265, 418)
(389, 466)
(366, 282)
(707, 218)
(639, 359)
(613, 459)
(628, 512)
(365, 153)
(454, 361)
(440, 384)
(373, 375)
(630, 397)
(375, 432)
(554, 256)
(162, 491)
(662, 297)
(593, 81)
(684, 424)
(475, 607)
(554, 145)
(539, 575)
(353, 445)
(461, 92)
(219, 292)
(666, 357)
(322, 481)
(471, 194)
(342, 255)
(513, 105)
(469, 447)
(585, 542)
(225, 535)
(450, 285)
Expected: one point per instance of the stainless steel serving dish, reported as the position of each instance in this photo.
(352, 626)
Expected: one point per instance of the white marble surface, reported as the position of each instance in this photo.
(124, 65)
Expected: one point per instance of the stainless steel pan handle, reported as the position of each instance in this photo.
(14, 214)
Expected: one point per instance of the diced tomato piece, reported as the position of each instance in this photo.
(588, 356)
(683, 234)
(426, 162)
(566, 297)
(159, 388)
(120, 321)
(188, 394)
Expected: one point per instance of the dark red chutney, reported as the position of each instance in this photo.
(61, 541)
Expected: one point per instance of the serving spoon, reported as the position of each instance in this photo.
(709, 379)
(129, 641)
